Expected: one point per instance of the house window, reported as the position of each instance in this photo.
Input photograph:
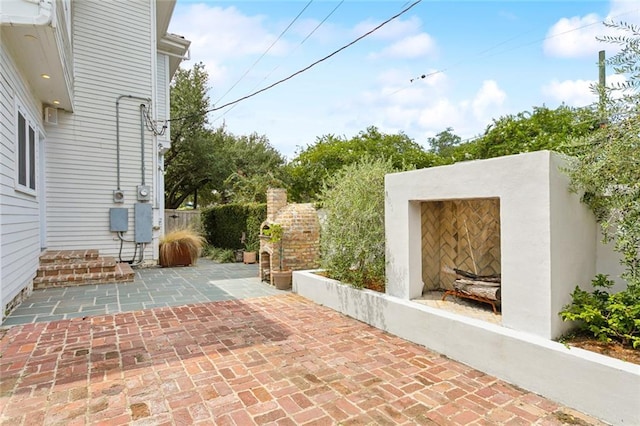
(26, 153)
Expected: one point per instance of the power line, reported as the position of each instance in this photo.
(265, 52)
(291, 53)
(402, 12)
(481, 54)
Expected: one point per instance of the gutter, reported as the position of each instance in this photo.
(45, 16)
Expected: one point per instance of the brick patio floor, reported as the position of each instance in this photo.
(273, 360)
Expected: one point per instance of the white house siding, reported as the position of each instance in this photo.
(113, 56)
(19, 212)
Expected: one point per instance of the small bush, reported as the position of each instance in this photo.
(221, 255)
(607, 316)
(353, 240)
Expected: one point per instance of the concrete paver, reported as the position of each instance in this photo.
(207, 281)
(278, 360)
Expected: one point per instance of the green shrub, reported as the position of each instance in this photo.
(221, 255)
(607, 316)
(605, 172)
(352, 239)
(224, 224)
(252, 233)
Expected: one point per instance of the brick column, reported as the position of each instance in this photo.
(276, 199)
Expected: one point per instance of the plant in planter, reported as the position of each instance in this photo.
(181, 247)
(281, 278)
(251, 240)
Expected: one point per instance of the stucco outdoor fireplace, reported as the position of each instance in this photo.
(536, 233)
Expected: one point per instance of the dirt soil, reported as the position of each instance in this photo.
(613, 349)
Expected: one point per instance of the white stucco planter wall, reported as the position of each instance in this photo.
(549, 239)
(600, 386)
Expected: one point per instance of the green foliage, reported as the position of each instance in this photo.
(329, 154)
(605, 170)
(607, 316)
(442, 144)
(353, 240)
(275, 232)
(526, 131)
(224, 224)
(212, 165)
(252, 233)
(221, 255)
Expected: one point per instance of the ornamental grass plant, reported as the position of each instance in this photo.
(180, 247)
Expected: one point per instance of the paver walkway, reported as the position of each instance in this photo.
(207, 281)
(272, 360)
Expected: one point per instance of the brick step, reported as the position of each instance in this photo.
(80, 266)
(68, 256)
(122, 273)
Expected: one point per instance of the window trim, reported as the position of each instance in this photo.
(31, 136)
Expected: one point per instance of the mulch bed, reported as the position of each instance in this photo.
(613, 349)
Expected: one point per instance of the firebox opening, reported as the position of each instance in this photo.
(463, 235)
(265, 267)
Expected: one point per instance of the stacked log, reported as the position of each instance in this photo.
(483, 286)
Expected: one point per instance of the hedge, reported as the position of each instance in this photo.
(223, 225)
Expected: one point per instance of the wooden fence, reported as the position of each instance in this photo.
(178, 219)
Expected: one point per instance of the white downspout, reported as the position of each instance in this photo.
(154, 108)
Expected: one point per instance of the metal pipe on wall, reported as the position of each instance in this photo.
(118, 134)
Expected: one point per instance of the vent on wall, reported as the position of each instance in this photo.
(51, 115)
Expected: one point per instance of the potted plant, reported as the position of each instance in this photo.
(180, 247)
(281, 278)
(250, 253)
(251, 240)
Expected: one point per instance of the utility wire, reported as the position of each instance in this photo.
(265, 52)
(291, 53)
(402, 12)
(481, 54)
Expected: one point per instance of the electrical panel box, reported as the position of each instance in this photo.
(143, 222)
(118, 219)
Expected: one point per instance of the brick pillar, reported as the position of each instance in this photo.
(276, 199)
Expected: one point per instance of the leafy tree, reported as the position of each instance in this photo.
(605, 169)
(187, 161)
(352, 240)
(443, 142)
(526, 131)
(206, 165)
(330, 153)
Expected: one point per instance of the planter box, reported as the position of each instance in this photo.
(595, 384)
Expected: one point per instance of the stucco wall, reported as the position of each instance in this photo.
(548, 238)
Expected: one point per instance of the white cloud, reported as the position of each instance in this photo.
(575, 93)
(413, 46)
(219, 35)
(488, 101)
(575, 37)
(578, 93)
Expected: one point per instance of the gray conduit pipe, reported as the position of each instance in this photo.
(118, 134)
(142, 169)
